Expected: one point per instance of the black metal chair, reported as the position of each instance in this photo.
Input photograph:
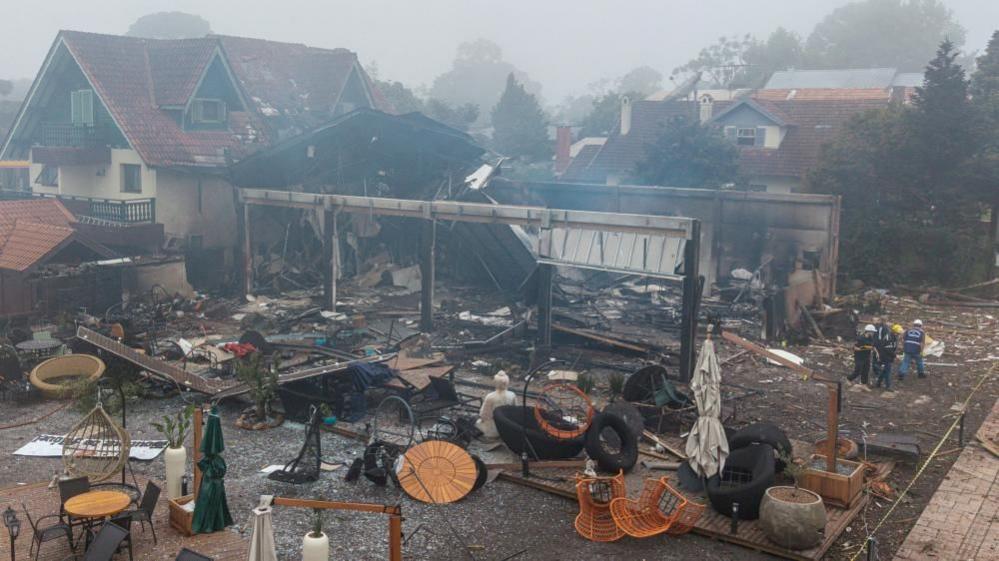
(188, 555)
(41, 534)
(105, 545)
(147, 506)
(124, 520)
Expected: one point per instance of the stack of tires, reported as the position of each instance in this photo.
(755, 457)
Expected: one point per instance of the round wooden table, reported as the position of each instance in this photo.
(97, 504)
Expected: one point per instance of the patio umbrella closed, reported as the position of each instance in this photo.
(211, 511)
(707, 446)
(262, 546)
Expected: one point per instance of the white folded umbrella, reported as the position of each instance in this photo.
(707, 446)
(262, 546)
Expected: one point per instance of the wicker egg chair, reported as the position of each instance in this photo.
(96, 447)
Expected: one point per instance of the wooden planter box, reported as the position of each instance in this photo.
(834, 488)
(181, 519)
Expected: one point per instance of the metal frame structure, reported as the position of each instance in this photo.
(545, 219)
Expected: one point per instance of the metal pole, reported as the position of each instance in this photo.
(395, 537)
(872, 549)
(960, 432)
(691, 299)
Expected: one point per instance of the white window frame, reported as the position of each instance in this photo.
(740, 136)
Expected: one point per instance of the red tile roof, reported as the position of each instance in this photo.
(27, 243)
(42, 211)
(823, 94)
(31, 230)
(289, 88)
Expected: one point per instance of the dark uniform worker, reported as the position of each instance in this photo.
(863, 351)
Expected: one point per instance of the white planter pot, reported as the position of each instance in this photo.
(315, 549)
(176, 461)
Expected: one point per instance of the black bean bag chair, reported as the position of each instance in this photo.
(748, 473)
(763, 433)
(512, 421)
(612, 453)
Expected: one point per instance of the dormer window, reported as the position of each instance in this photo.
(208, 111)
(745, 136)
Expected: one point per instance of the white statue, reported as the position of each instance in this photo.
(498, 398)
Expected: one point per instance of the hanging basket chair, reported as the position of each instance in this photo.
(96, 447)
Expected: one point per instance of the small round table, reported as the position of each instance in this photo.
(96, 505)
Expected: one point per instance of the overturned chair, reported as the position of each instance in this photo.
(659, 509)
(594, 521)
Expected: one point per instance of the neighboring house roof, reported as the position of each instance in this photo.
(620, 154)
(853, 78)
(287, 88)
(44, 211)
(816, 123)
(908, 79)
(809, 122)
(822, 93)
(31, 231)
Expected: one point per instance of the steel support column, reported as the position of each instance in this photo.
(428, 234)
(545, 274)
(693, 284)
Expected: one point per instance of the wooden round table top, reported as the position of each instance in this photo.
(97, 504)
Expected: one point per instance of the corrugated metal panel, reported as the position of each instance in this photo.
(851, 78)
(623, 252)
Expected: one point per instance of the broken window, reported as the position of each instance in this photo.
(48, 177)
(131, 178)
(209, 111)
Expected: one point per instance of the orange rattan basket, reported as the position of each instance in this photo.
(563, 411)
(656, 510)
(594, 521)
(689, 515)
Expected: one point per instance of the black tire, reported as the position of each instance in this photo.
(630, 414)
(481, 473)
(763, 433)
(512, 421)
(755, 459)
(621, 457)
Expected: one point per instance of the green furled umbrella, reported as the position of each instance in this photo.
(211, 511)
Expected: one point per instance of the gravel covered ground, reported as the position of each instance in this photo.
(496, 522)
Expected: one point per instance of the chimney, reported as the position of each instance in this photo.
(707, 108)
(563, 144)
(625, 115)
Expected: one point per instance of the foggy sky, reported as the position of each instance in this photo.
(563, 44)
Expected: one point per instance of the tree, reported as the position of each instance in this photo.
(477, 76)
(985, 81)
(687, 154)
(403, 99)
(882, 33)
(644, 80)
(169, 25)
(781, 51)
(519, 125)
(605, 115)
(907, 176)
(460, 117)
(720, 63)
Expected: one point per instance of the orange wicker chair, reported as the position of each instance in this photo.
(595, 494)
(689, 516)
(656, 510)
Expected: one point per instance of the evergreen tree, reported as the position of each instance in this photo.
(519, 125)
(985, 81)
(687, 154)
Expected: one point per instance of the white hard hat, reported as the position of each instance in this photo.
(870, 328)
(918, 322)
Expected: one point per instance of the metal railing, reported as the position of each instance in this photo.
(68, 134)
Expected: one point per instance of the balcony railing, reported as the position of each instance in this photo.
(68, 134)
(109, 211)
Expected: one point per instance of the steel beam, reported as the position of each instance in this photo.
(475, 212)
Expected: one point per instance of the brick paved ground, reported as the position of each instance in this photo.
(961, 522)
(227, 545)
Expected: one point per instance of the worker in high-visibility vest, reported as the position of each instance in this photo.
(912, 350)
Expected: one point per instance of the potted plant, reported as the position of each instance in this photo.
(175, 428)
(316, 545)
(261, 378)
(792, 517)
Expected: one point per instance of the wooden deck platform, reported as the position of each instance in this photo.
(561, 482)
(226, 545)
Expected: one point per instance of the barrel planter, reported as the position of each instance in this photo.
(56, 376)
(793, 518)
